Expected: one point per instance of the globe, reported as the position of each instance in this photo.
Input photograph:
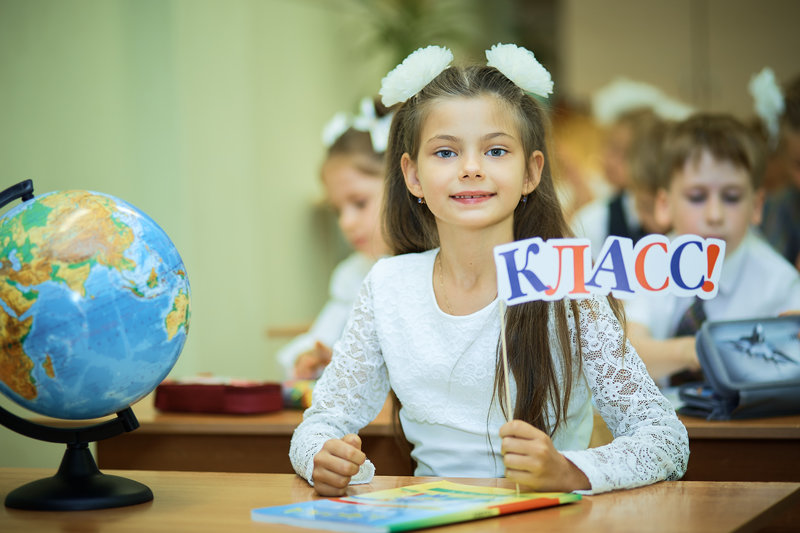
(94, 304)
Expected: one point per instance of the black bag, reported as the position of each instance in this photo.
(751, 369)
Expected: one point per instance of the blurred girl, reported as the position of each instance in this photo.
(353, 175)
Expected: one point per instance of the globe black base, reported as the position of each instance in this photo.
(78, 486)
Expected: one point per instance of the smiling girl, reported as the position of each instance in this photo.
(468, 169)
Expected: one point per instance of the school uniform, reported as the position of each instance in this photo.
(607, 216)
(442, 369)
(780, 224)
(756, 282)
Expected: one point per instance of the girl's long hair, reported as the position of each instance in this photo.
(410, 227)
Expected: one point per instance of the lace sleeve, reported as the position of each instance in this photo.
(650, 443)
(350, 393)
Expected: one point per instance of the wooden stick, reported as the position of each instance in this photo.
(502, 307)
(509, 414)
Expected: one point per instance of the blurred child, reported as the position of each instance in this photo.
(468, 168)
(614, 215)
(353, 175)
(629, 109)
(644, 160)
(711, 171)
(781, 221)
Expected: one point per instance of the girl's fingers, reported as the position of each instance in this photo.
(337, 462)
(330, 478)
(353, 440)
(323, 489)
(336, 465)
(347, 448)
(518, 428)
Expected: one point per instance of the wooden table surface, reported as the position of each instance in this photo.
(215, 502)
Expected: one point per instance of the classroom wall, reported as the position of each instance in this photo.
(206, 115)
(703, 52)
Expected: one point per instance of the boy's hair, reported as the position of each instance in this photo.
(358, 144)
(723, 136)
(411, 227)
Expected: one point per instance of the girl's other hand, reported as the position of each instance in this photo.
(337, 462)
(310, 364)
(532, 460)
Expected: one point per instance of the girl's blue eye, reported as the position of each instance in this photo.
(445, 153)
(497, 152)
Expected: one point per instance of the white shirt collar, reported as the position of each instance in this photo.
(733, 265)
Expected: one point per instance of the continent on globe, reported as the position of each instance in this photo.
(94, 304)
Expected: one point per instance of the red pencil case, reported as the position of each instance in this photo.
(233, 398)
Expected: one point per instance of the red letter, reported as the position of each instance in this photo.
(639, 268)
(578, 286)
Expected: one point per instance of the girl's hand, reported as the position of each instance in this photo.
(310, 364)
(336, 463)
(532, 460)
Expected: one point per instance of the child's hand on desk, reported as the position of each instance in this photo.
(336, 463)
(309, 365)
(793, 311)
(532, 460)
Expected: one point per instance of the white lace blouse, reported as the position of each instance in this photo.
(442, 369)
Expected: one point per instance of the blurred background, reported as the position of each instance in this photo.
(206, 114)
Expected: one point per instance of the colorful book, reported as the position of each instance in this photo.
(410, 507)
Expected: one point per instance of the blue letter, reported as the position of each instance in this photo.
(675, 266)
(617, 268)
(513, 273)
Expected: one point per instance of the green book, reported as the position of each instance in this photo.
(410, 507)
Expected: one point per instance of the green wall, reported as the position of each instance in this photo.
(205, 114)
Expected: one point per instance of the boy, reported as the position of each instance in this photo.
(711, 167)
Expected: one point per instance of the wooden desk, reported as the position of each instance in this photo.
(765, 449)
(213, 502)
(232, 443)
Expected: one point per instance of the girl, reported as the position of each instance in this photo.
(468, 170)
(352, 175)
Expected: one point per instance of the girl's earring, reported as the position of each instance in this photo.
(524, 199)
(420, 200)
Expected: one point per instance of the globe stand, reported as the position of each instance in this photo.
(78, 484)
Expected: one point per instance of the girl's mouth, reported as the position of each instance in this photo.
(471, 197)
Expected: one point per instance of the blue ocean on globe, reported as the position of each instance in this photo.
(94, 304)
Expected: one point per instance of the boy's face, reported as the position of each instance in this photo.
(710, 198)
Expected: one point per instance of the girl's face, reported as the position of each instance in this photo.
(471, 168)
(356, 197)
(710, 198)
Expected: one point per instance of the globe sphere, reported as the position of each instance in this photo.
(94, 304)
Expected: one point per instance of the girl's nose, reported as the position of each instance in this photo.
(472, 167)
(347, 220)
